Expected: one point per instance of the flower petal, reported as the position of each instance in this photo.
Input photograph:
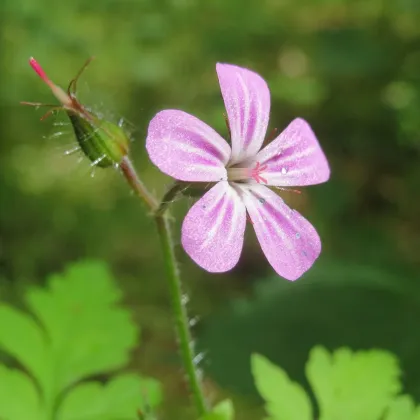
(290, 243)
(213, 230)
(247, 102)
(294, 158)
(186, 148)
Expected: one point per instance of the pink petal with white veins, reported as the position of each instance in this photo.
(294, 158)
(213, 230)
(186, 148)
(247, 102)
(290, 243)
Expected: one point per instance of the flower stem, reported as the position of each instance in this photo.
(180, 312)
(137, 185)
(174, 280)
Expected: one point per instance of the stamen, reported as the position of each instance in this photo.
(245, 174)
(255, 173)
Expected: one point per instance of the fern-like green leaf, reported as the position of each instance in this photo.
(120, 399)
(352, 386)
(18, 334)
(222, 411)
(87, 333)
(285, 400)
(403, 408)
(19, 399)
(76, 330)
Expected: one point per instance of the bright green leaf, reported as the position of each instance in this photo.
(403, 408)
(83, 332)
(285, 400)
(226, 409)
(352, 386)
(18, 397)
(222, 411)
(18, 333)
(88, 333)
(121, 398)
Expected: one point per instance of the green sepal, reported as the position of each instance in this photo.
(177, 188)
(196, 189)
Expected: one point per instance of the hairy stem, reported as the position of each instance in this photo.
(137, 185)
(172, 273)
(180, 312)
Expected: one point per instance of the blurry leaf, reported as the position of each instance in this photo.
(285, 400)
(18, 397)
(84, 333)
(87, 332)
(18, 333)
(403, 408)
(222, 411)
(353, 385)
(121, 399)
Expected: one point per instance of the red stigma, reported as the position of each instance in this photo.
(255, 173)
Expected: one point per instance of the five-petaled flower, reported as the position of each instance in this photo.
(187, 149)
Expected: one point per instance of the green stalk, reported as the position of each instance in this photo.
(137, 185)
(174, 281)
(180, 312)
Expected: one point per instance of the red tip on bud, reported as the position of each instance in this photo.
(39, 71)
(62, 96)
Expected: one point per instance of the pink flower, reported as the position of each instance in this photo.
(187, 149)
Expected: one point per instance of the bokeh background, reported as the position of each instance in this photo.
(350, 67)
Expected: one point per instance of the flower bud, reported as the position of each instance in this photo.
(103, 142)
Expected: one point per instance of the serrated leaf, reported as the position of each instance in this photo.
(222, 411)
(87, 332)
(83, 332)
(18, 397)
(120, 399)
(285, 399)
(352, 386)
(18, 333)
(403, 408)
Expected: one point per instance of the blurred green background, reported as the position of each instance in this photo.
(350, 67)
